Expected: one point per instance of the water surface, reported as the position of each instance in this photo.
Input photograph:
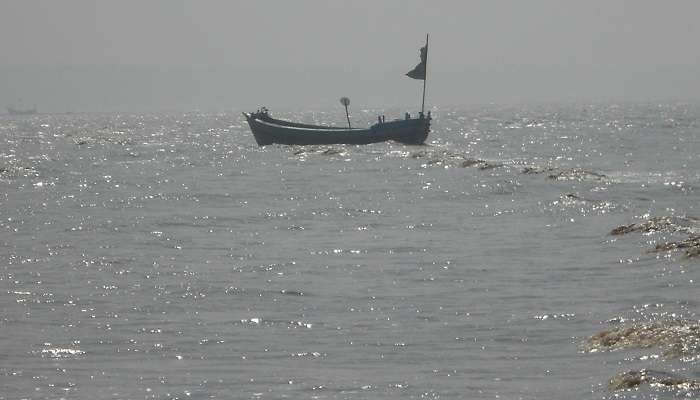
(168, 256)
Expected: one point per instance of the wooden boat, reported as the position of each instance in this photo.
(268, 130)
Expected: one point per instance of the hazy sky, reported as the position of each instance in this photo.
(172, 54)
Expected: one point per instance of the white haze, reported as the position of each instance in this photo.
(222, 55)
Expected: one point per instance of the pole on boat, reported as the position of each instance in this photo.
(425, 79)
(346, 102)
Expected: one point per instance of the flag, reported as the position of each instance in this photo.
(419, 71)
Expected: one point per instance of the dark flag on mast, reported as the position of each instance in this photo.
(419, 71)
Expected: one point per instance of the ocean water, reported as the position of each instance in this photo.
(167, 256)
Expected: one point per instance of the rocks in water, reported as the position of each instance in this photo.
(627, 380)
(677, 338)
(572, 174)
(573, 197)
(481, 164)
(652, 225)
(633, 379)
(331, 151)
(470, 162)
(623, 229)
(535, 169)
(577, 174)
(438, 157)
(687, 225)
(691, 246)
(656, 224)
(420, 154)
(434, 154)
(693, 252)
(444, 157)
(326, 151)
(584, 205)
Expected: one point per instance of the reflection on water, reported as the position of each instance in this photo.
(168, 256)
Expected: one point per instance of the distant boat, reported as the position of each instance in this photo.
(268, 130)
(15, 111)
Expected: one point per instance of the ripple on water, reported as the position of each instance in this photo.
(192, 263)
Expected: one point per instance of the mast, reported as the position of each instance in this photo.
(422, 107)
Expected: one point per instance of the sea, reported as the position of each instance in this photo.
(543, 251)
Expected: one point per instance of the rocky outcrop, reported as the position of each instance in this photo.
(676, 338)
(633, 379)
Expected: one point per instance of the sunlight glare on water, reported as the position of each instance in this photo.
(168, 256)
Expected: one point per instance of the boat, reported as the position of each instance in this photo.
(16, 111)
(268, 130)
